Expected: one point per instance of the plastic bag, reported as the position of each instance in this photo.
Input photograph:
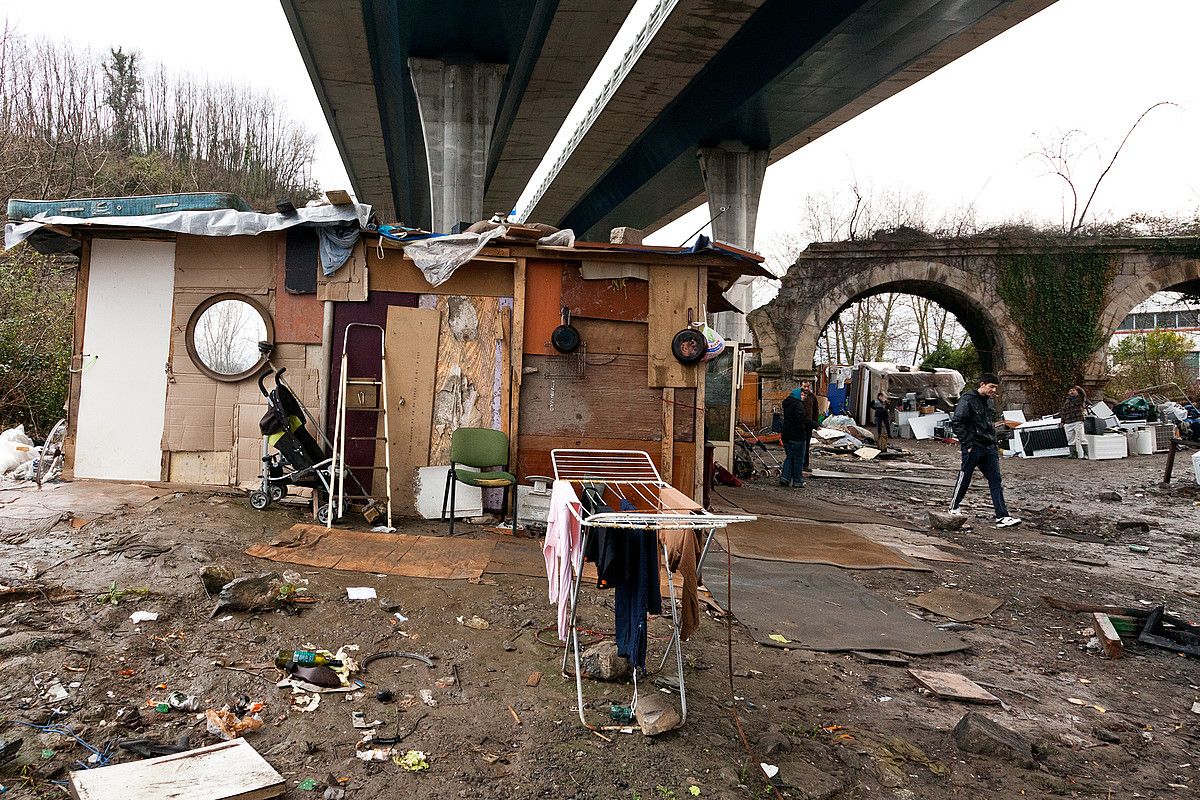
(1196, 466)
(13, 454)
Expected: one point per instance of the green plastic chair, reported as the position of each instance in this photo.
(482, 448)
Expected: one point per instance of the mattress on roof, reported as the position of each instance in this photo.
(88, 207)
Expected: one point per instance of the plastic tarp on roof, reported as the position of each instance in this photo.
(942, 384)
(224, 222)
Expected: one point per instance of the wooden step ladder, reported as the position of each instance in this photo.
(368, 395)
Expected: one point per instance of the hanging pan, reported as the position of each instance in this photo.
(689, 345)
(565, 337)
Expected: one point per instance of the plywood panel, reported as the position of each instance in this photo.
(604, 337)
(543, 305)
(625, 299)
(412, 354)
(673, 292)
(394, 273)
(683, 471)
(204, 468)
(471, 378)
(230, 770)
(610, 401)
(686, 414)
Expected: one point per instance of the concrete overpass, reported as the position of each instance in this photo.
(442, 110)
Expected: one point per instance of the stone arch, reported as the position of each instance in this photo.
(968, 296)
(1129, 291)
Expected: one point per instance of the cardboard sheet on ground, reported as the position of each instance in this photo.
(389, 553)
(913, 544)
(819, 608)
(799, 505)
(524, 557)
(957, 605)
(803, 542)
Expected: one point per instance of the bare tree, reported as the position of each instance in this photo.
(1061, 158)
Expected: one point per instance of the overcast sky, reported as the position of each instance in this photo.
(960, 137)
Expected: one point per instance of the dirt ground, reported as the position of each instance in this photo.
(836, 725)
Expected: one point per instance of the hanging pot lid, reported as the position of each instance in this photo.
(689, 345)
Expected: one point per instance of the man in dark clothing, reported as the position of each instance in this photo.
(1073, 411)
(883, 420)
(797, 429)
(973, 423)
(810, 409)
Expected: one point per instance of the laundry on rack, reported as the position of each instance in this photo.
(683, 557)
(605, 546)
(564, 555)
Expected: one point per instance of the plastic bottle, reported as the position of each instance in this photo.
(303, 658)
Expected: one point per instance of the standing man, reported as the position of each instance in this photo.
(1073, 410)
(810, 409)
(795, 435)
(973, 423)
(883, 420)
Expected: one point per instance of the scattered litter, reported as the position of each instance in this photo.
(694, 790)
(1075, 701)
(183, 702)
(360, 593)
(56, 692)
(228, 725)
(955, 604)
(534, 679)
(400, 618)
(778, 637)
(114, 595)
(427, 698)
(475, 623)
(382, 529)
(139, 617)
(359, 720)
(516, 717)
(307, 785)
(413, 761)
(393, 654)
(770, 770)
(1196, 708)
(446, 682)
(867, 453)
(1139, 548)
(304, 702)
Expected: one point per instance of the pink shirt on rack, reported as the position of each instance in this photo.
(563, 550)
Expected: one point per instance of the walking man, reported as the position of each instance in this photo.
(973, 424)
(883, 421)
(1073, 410)
(796, 432)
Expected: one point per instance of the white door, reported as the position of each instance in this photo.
(126, 340)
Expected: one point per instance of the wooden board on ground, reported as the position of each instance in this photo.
(952, 686)
(230, 770)
(389, 553)
(1108, 636)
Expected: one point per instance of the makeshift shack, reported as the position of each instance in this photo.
(909, 388)
(148, 403)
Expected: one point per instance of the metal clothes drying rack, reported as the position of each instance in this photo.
(661, 507)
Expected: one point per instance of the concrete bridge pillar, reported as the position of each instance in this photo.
(458, 103)
(733, 178)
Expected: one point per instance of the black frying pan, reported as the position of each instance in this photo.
(565, 337)
(689, 345)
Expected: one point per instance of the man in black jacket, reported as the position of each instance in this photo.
(797, 430)
(973, 423)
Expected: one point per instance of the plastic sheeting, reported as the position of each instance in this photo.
(225, 222)
(439, 258)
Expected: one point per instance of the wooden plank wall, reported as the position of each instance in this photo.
(674, 292)
(412, 356)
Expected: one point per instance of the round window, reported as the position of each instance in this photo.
(223, 336)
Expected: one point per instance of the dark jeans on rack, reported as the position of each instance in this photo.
(987, 459)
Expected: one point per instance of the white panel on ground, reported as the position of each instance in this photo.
(126, 341)
(430, 490)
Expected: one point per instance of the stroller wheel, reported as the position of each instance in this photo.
(323, 514)
(259, 500)
(278, 492)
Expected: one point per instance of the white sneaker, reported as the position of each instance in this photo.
(957, 512)
(1007, 522)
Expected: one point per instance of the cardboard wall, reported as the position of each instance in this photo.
(209, 423)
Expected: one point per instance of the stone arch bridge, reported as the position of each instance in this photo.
(962, 276)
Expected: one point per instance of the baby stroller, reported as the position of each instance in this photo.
(299, 460)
